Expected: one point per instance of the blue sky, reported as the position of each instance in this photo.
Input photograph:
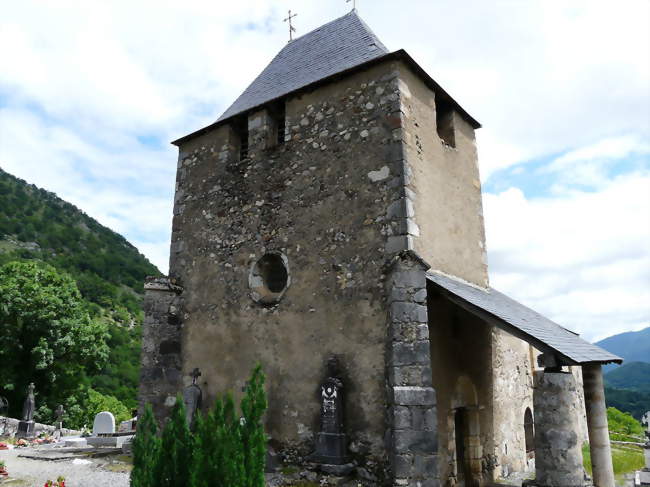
(92, 93)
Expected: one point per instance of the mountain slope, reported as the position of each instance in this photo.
(632, 346)
(108, 270)
(633, 376)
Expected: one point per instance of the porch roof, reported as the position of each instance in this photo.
(515, 318)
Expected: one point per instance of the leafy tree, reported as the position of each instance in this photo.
(146, 449)
(48, 337)
(623, 423)
(98, 402)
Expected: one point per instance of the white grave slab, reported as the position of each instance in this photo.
(104, 423)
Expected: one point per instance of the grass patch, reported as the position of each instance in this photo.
(626, 458)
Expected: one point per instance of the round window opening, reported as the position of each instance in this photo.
(269, 278)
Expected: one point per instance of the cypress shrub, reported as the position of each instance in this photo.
(175, 457)
(146, 447)
(253, 438)
(225, 450)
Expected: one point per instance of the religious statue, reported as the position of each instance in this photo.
(192, 396)
(30, 404)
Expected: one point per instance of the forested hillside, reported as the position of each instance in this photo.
(37, 226)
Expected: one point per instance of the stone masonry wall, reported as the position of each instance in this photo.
(412, 412)
(324, 199)
(160, 373)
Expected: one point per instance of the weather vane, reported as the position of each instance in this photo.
(354, 3)
(292, 29)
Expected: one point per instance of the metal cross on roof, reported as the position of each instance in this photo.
(292, 29)
(354, 3)
(196, 373)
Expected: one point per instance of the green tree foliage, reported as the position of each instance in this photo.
(253, 405)
(218, 456)
(623, 423)
(146, 449)
(175, 458)
(225, 450)
(634, 402)
(36, 225)
(98, 402)
(48, 337)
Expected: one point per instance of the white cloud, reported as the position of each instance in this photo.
(581, 258)
(92, 92)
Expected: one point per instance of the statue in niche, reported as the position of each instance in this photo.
(192, 396)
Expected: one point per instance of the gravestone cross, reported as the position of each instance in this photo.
(192, 397)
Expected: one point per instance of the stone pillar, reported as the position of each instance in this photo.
(261, 133)
(161, 376)
(412, 417)
(558, 452)
(601, 453)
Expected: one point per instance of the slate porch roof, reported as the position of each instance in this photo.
(515, 318)
(337, 48)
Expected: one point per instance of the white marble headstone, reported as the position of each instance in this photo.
(104, 423)
(645, 420)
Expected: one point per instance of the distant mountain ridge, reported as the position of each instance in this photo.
(632, 346)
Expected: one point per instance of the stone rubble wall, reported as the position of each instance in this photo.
(160, 372)
(330, 200)
(9, 427)
(412, 413)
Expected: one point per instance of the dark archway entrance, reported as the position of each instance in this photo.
(464, 474)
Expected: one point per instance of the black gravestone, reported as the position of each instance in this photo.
(331, 442)
(26, 426)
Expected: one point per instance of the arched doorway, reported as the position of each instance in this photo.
(529, 435)
(465, 434)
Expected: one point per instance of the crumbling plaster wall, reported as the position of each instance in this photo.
(446, 189)
(321, 199)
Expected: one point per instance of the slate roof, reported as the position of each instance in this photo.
(332, 48)
(522, 322)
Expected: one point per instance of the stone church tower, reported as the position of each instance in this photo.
(334, 212)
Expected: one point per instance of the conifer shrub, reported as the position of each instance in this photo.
(146, 448)
(176, 446)
(226, 449)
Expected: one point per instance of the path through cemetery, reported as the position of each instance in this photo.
(77, 472)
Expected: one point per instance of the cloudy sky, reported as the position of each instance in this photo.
(91, 93)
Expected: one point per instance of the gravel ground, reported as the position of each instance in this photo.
(26, 472)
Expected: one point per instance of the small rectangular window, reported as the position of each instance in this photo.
(241, 129)
(445, 122)
(278, 115)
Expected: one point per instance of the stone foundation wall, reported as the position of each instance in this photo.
(9, 427)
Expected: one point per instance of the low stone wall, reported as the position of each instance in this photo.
(9, 426)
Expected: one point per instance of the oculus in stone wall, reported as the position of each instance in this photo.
(269, 278)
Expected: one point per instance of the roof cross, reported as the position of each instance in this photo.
(292, 29)
(354, 3)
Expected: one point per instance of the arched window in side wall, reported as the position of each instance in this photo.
(529, 430)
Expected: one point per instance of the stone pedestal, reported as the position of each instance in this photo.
(330, 449)
(601, 453)
(558, 453)
(26, 429)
